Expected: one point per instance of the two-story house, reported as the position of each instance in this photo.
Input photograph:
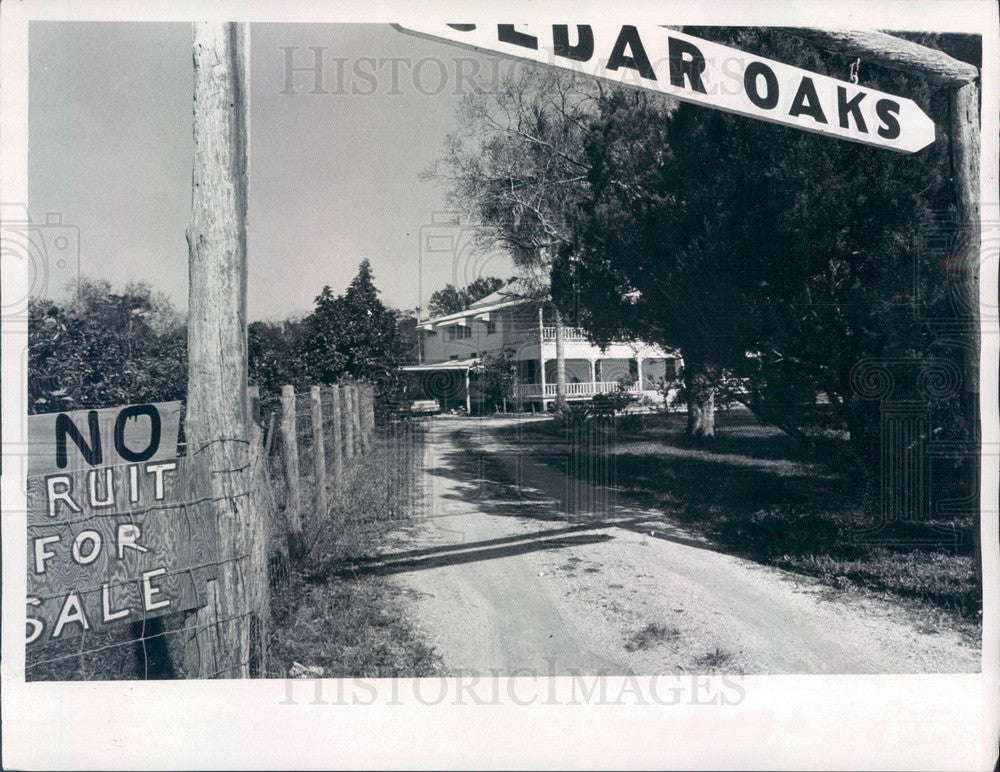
(451, 347)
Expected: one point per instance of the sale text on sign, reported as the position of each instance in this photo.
(112, 543)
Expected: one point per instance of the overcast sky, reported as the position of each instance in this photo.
(333, 177)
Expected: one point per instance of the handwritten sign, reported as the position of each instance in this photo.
(116, 435)
(691, 69)
(113, 543)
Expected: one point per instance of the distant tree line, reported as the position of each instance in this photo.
(103, 347)
(350, 335)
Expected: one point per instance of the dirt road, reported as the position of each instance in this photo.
(515, 567)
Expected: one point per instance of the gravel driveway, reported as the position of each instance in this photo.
(516, 567)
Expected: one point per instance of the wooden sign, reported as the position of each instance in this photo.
(115, 543)
(82, 439)
(682, 66)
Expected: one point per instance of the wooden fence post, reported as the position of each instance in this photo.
(319, 452)
(345, 393)
(356, 419)
(336, 433)
(370, 412)
(363, 416)
(253, 403)
(290, 453)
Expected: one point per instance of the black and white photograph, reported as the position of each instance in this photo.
(529, 373)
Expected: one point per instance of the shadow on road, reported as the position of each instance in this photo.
(473, 552)
(552, 486)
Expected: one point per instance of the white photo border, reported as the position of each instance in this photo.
(784, 722)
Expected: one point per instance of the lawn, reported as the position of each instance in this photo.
(758, 493)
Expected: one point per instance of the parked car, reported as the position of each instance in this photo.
(423, 407)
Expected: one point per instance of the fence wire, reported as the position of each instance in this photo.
(162, 646)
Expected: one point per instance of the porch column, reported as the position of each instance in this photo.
(593, 371)
(638, 368)
(541, 352)
(468, 396)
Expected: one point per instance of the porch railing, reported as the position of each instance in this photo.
(573, 390)
(569, 333)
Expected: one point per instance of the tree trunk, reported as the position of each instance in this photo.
(700, 399)
(864, 433)
(561, 408)
(216, 637)
(965, 147)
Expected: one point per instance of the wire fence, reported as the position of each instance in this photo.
(290, 488)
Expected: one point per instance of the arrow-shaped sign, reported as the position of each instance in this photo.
(694, 70)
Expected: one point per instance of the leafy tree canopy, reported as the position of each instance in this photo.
(451, 300)
(102, 348)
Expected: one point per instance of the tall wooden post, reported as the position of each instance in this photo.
(370, 408)
(365, 396)
(960, 78)
(216, 637)
(319, 452)
(965, 149)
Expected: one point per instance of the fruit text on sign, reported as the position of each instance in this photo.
(682, 66)
(109, 544)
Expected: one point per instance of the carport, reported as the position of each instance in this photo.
(446, 381)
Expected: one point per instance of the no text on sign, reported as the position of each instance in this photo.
(82, 439)
(694, 70)
(110, 541)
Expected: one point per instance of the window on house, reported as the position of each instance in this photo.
(457, 332)
(491, 328)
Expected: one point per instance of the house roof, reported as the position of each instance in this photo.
(450, 364)
(513, 293)
(520, 289)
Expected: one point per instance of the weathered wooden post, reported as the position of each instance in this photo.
(370, 411)
(363, 415)
(962, 80)
(290, 456)
(216, 638)
(319, 452)
(337, 446)
(345, 395)
(356, 418)
(253, 403)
